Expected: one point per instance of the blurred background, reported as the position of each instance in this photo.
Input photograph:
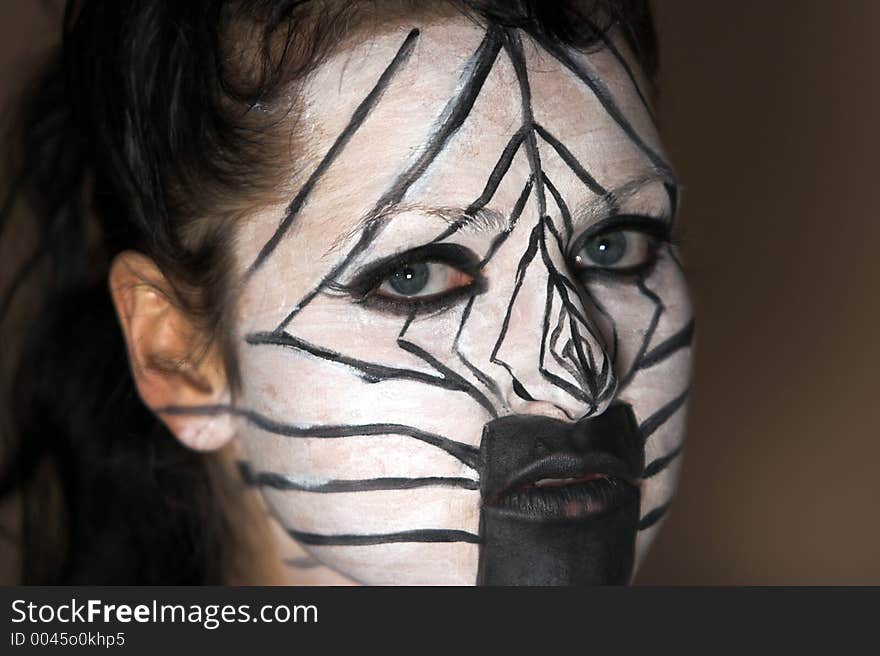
(770, 112)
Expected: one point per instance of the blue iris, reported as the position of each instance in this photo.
(607, 249)
(410, 279)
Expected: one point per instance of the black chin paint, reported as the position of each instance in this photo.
(579, 533)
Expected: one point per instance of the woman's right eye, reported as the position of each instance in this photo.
(422, 281)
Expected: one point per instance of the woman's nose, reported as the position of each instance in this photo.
(555, 357)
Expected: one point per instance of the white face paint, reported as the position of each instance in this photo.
(413, 296)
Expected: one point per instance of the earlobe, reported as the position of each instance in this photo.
(171, 366)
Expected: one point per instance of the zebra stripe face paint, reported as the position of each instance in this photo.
(474, 266)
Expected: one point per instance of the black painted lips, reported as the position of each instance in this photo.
(559, 502)
(566, 465)
(566, 485)
(521, 451)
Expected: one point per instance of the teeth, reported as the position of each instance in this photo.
(558, 482)
(544, 482)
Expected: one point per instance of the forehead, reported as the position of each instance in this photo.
(420, 116)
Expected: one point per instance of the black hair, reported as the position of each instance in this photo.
(140, 126)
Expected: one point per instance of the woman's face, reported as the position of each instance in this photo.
(464, 345)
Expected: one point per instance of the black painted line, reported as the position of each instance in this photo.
(681, 339)
(358, 540)
(605, 98)
(659, 464)
(406, 324)
(464, 317)
(475, 393)
(554, 337)
(374, 373)
(576, 319)
(513, 48)
(571, 161)
(653, 516)
(498, 172)
(357, 119)
(581, 291)
(565, 362)
(656, 420)
(514, 217)
(500, 169)
(569, 363)
(563, 208)
(480, 375)
(451, 119)
(564, 281)
(652, 296)
(582, 363)
(286, 483)
(493, 248)
(453, 116)
(465, 453)
(584, 358)
(525, 260)
(456, 381)
(368, 371)
(367, 236)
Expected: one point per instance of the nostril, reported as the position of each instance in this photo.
(521, 391)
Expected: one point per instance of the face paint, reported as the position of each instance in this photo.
(560, 504)
(465, 346)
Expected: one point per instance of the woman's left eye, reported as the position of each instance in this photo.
(421, 280)
(617, 251)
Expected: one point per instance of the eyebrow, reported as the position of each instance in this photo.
(603, 205)
(488, 220)
(483, 219)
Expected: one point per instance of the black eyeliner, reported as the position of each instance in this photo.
(371, 276)
(655, 228)
(424, 305)
(627, 274)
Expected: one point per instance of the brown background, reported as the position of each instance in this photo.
(770, 112)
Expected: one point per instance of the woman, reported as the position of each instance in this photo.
(408, 264)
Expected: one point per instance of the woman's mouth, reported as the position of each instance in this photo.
(541, 470)
(560, 501)
(566, 485)
(569, 498)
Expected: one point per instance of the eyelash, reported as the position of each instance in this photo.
(365, 284)
(656, 229)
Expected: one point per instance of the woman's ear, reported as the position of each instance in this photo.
(171, 368)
